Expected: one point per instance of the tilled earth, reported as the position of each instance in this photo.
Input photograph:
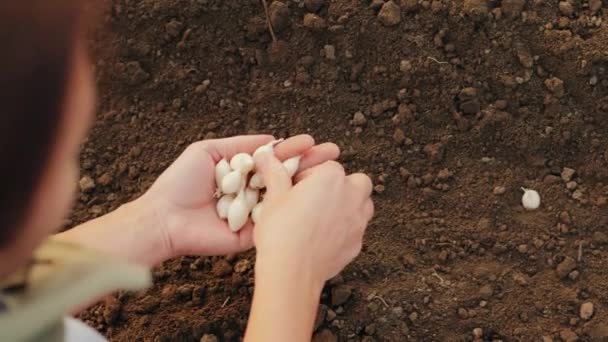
(450, 106)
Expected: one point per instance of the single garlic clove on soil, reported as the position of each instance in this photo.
(242, 162)
(238, 212)
(232, 182)
(252, 196)
(221, 170)
(223, 205)
(257, 212)
(292, 165)
(531, 199)
(256, 181)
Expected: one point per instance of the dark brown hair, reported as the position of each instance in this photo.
(38, 39)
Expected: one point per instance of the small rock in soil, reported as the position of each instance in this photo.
(565, 267)
(405, 66)
(86, 184)
(209, 338)
(399, 136)
(600, 238)
(390, 14)
(279, 16)
(567, 174)
(512, 8)
(564, 217)
(434, 152)
(499, 190)
(566, 8)
(568, 335)
(330, 52)
(477, 333)
(409, 5)
(174, 28)
(222, 268)
(331, 314)
(555, 86)
(314, 22)
(595, 5)
(486, 292)
(325, 336)
(314, 5)
(359, 119)
(340, 294)
(586, 311)
(105, 179)
(477, 9)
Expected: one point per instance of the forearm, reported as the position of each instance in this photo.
(130, 232)
(285, 303)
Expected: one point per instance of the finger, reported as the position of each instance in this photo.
(330, 165)
(362, 185)
(228, 147)
(274, 174)
(319, 154)
(294, 146)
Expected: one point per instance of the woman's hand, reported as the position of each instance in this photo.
(306, 235)
(183, 200)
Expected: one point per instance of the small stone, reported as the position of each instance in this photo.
(314, 5)
(462, 313)
(565, 267)
(477, 333)
(184, 292)
(174, 28)
(567, 174)
(209, 338)
(379, 188)
(555, 86)
(568, 335)
(512, 8)
(325, 336)
(578, 195)
(486, 291)
(444, 174)
(586, 311)
(523, 249)
(242, 265)
(222, 268)
(413, 316)
(390, 14)
(314, 22)
(398, 311)
(547, 338)
(359, 119)
(595, 5)
(279, 16)
(571, 185)
(520, 279)
(565, 7)
(340, 294)
(574, 275)
(105, 179)
(405, 66)
(499, 190)
(477, 9)
(330, 52)
(564, 217)
(331, 314)
(399, 136)
(86, 184)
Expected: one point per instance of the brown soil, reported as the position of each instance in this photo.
(462, 103)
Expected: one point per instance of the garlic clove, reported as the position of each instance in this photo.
(256, 213)
(238, 212)
(232, 182)
(531, 199)
(221, 170)
(267, 147)
(256, 181)
(252, 197)
(223, 205)
(242, 162)
(292, 165)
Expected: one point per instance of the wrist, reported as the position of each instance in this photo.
(284, 267)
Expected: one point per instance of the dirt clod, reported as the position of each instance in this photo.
(279, 16)
(86, 184)
(314, 5)
(565, 267)
(314, 22)
(586, 311)
(390, 14)
(340, 294)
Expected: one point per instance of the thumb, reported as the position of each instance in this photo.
(274, 174)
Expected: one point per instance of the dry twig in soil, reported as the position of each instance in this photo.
(268, 22)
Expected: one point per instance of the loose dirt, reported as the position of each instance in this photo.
(451, 107)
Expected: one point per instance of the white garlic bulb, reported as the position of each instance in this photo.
(252, 196)
(267, 147)
(242, 162)
(232, 182)
(531, 199)
(257, 212)
(221, 170)
(256, 181)
(238, 212)
(223, 205)
(292, 165)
